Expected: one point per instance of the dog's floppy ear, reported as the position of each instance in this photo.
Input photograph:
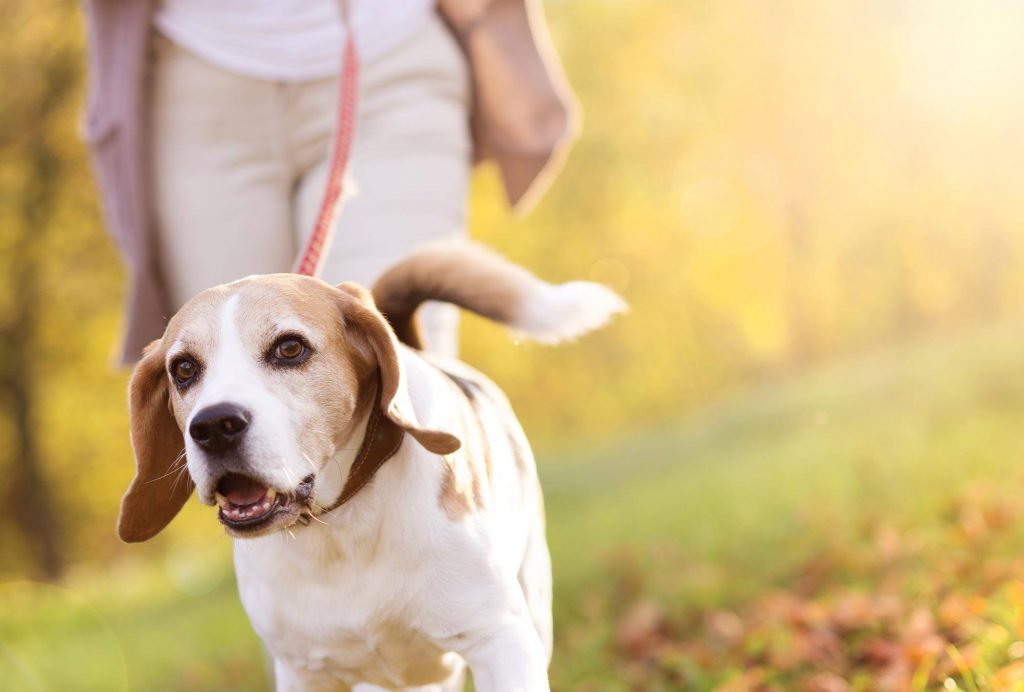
(158, 491)
(370, 332)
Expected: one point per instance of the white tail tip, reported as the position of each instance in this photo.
(551, 314)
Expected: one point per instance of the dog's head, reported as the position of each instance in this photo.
(254, 387)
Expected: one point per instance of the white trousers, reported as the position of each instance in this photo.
(239, 166)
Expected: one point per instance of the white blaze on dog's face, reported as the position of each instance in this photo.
(266, 389)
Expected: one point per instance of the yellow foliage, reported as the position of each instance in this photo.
(766, 183)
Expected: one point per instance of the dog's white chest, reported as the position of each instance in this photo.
(330, 621)
(386, 654)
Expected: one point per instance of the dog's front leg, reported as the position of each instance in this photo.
(507, 658)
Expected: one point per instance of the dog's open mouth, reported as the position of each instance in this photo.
(247, 504)
(248, 507)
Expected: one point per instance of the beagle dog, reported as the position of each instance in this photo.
(385, 502)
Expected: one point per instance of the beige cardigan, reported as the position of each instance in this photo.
(523, 118)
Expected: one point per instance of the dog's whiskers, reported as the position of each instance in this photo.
(287, 471)
(177, 479)
(174, 467)
(312, 465)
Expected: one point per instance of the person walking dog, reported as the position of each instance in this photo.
(210, 124)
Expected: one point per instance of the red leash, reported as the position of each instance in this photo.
(311, 259)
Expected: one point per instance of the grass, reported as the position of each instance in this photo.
(852, 526)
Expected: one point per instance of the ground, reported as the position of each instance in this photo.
(854, 526)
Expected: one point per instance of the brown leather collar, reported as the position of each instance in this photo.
(382, 440)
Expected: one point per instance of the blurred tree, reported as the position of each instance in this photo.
(33, 105)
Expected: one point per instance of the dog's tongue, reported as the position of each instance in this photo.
(241, 490)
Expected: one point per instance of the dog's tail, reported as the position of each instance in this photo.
(472, 277)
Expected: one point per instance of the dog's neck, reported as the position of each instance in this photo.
(330, 481)
(381, 439)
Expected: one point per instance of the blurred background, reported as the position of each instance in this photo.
(796, 464)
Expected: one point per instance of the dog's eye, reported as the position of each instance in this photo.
(184, 371)
(289, 351)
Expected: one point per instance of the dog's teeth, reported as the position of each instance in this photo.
(244, 512)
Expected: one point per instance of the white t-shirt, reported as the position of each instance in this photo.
(286, 40)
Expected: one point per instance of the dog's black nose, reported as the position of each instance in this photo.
(220, 427)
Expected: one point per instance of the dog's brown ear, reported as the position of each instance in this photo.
(370, 332)
(161, 484)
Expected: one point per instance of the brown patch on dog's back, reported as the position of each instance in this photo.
(456, 499)
(467, 477)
